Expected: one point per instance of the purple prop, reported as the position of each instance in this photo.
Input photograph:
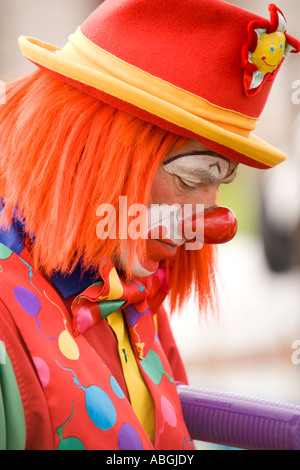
(240, 422)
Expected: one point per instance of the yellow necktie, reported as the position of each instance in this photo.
(140, 397)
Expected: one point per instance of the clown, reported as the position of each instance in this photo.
(131, 109)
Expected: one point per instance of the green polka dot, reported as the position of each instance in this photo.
(4, 252)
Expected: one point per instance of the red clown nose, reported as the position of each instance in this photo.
(220, 225)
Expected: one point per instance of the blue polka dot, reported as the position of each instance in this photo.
(100, 408)
(116, 387)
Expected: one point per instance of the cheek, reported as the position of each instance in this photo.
(163, 190)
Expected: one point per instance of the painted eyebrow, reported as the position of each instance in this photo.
(217, 164)
(195, 152)
(232, 171)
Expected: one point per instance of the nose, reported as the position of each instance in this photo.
(219, 225)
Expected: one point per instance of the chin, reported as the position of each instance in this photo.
(138, 269)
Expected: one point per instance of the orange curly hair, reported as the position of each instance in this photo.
(63, 153)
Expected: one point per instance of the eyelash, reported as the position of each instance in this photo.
(185, 185)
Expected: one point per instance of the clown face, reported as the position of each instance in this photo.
(269, 51)
(191, 177)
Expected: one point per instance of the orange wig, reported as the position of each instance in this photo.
(63, 153)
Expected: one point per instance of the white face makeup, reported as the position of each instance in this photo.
(201, 167)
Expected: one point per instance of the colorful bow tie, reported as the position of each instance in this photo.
(139, 298)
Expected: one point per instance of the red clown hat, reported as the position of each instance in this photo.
(199, 68)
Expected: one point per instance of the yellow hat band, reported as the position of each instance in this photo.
(81, 50)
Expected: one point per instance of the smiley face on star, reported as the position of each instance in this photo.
(269, 51)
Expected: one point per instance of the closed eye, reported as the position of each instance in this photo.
(201, 177)
(185, 184)
(206, 180)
